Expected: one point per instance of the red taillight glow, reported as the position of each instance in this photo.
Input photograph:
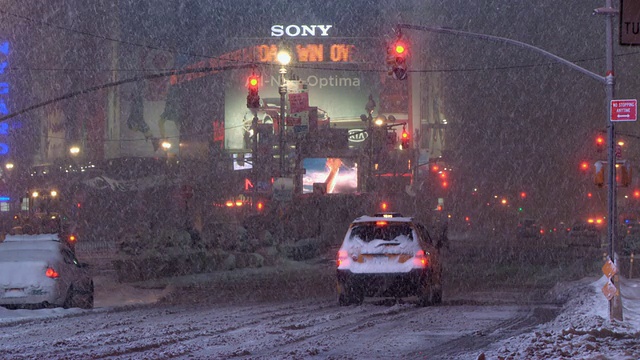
(51, 273)
(420, 259)
(381, 223)
(342, 256)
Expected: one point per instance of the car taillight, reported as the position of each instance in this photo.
(51, 273)
(342, 257)
(420, 259)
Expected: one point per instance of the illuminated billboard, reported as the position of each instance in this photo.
(332, 175)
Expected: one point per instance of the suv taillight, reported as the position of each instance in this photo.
(51, 273)
(420, 259)
(342, 257)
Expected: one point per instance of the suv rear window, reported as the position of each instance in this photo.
(388, 232)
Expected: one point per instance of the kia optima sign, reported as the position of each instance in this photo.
(624, 110)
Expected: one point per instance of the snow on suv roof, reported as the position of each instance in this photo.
(38, 237)
(367, 218)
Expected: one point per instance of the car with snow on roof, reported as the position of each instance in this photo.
(388, 256)
(42, 271)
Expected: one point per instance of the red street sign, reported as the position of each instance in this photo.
(624, 110)
(298, 102)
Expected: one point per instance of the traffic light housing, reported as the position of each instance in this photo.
(405, 140)
(253, 99)
(599, 178)
(600, 143)
(623, 170)
(397, 57)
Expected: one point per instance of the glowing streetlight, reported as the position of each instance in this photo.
(74, 150)
(284, 58)
(166, 145)
(8, 166)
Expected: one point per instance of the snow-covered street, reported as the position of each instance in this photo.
(160, 321)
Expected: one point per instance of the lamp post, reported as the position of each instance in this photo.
(283, 58)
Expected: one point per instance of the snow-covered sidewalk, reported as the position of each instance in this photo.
(583, 330)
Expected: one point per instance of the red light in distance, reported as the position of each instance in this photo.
(584, 165)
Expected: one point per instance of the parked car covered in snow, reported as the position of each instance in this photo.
(41, 271)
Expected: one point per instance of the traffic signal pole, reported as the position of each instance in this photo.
(615, 305)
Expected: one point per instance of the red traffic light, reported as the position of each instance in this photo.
(584, 165)
(253, 82)
(404, 143)
(600, 143)
(397, 54)
(253, 99)
(523, 195)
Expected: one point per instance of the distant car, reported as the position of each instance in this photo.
(388, 257)
(41, 271)
(585, 234)
(528, 228)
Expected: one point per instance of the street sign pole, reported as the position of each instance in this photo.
(615, 303)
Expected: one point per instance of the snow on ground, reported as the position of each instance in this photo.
(583, 330)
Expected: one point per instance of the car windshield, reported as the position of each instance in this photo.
(388, 232)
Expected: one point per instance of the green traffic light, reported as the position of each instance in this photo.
(519, 209)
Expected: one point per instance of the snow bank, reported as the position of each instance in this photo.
(583, 329)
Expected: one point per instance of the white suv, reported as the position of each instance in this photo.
(388, 255)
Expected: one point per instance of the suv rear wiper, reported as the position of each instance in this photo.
(388, 244)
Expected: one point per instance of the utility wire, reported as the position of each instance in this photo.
(152, 47)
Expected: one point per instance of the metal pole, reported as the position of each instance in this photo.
(611, 157)
(282, 89)
(615, 304)
(254, 157)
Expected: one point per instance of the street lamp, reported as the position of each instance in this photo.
(74, 150)
(284, 58)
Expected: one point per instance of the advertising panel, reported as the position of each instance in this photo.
(338, 176)
(330, 70)
(148, 110)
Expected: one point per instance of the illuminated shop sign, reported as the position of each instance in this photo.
(267, 53)
(300, 30)
(5, 91)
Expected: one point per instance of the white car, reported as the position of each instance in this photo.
(388, 255)
(41, 271)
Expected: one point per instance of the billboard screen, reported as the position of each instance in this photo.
(339, 175)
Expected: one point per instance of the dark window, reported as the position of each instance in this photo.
(389, 232)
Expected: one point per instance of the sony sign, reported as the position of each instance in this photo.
(300, 30)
